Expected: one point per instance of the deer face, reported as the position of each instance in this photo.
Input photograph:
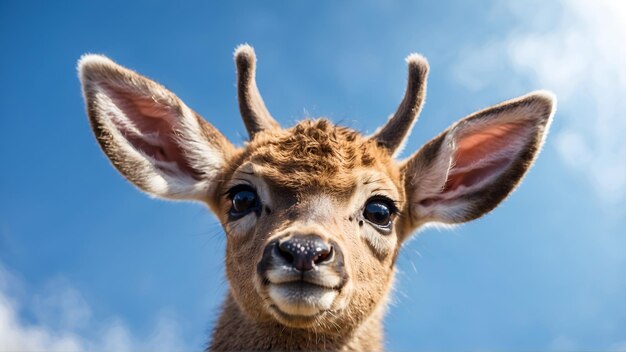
(315, 214)
(310, 215)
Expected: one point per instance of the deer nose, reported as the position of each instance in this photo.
(304, 252)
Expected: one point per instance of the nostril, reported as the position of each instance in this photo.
(323, 255)
(285, 251)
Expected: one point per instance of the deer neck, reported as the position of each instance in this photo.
(236, 331)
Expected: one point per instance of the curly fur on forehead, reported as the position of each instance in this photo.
(316, 154)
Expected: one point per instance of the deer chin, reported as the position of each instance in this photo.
(300, 304)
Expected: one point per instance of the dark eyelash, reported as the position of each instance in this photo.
(393, 205)
(230, 193)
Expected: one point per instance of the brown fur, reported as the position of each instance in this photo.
(315, 154)
(314, 178)
(251, 106)
(395, 131)
(276, 337)
(310, 158)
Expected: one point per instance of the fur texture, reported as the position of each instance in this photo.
(395, 132)
(253, 111)
(314, 179)
(314, 155)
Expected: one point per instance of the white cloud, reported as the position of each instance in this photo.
(63, 321)
(579, 53)
(62, 305)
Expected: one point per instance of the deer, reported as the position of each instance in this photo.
(314, 215)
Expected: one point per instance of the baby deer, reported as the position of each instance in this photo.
(315, 214)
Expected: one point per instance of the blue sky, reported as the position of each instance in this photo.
(88, 262)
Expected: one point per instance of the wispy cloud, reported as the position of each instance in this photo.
(63, 321)
(577, 51)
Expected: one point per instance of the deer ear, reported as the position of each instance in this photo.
(149, 134)
(472, 166)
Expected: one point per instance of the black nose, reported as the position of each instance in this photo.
(303, 252)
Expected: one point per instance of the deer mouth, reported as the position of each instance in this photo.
(296, 321)
(298, 295)
(301, 299)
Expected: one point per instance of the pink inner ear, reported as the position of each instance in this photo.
(484, 154)
(155, 122)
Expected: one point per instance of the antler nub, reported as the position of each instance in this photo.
(253, 111)
(392, 135)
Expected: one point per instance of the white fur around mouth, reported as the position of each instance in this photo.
(301, 299)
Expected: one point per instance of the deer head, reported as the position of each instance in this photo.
(315, 214)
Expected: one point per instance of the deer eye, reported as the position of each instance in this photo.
(243, 200)
(379, 211)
